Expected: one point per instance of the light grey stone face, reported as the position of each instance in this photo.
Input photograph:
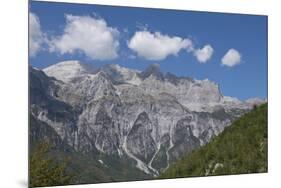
(151, 117)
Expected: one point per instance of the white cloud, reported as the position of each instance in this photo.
(93, 37)
(156, 46)
(204, 54)
(231, 58)
(89, 35)
(36, 36)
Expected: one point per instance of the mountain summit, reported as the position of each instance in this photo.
(154, 70)
(67, 70)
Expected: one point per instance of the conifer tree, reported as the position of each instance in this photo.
(45, 170)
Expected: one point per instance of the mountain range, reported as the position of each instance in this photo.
(148, 118)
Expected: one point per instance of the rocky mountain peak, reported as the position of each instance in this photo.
(154, 70)
(120, 75)
(67, 70)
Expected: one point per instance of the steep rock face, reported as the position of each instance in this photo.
(183, 139)
(107, 137)
(150, 117)
(88, 168)
(91, 87)
(140, 141)
(47, 108)
(193, 94)
(40, 131)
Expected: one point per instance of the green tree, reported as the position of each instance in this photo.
(240, 148)
(45, 170)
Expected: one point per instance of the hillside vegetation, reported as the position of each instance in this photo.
(240, 148)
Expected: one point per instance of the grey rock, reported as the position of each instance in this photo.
(151, 117)
(140, 141)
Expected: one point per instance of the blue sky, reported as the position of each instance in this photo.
(56, 32)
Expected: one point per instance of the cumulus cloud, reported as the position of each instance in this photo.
(89, 35)
(92, 36)
(36, 36)
(231, 58)
(157, 46)
(204, 54)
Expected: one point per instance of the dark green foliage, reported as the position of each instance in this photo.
(240, 148)
(45, 170)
